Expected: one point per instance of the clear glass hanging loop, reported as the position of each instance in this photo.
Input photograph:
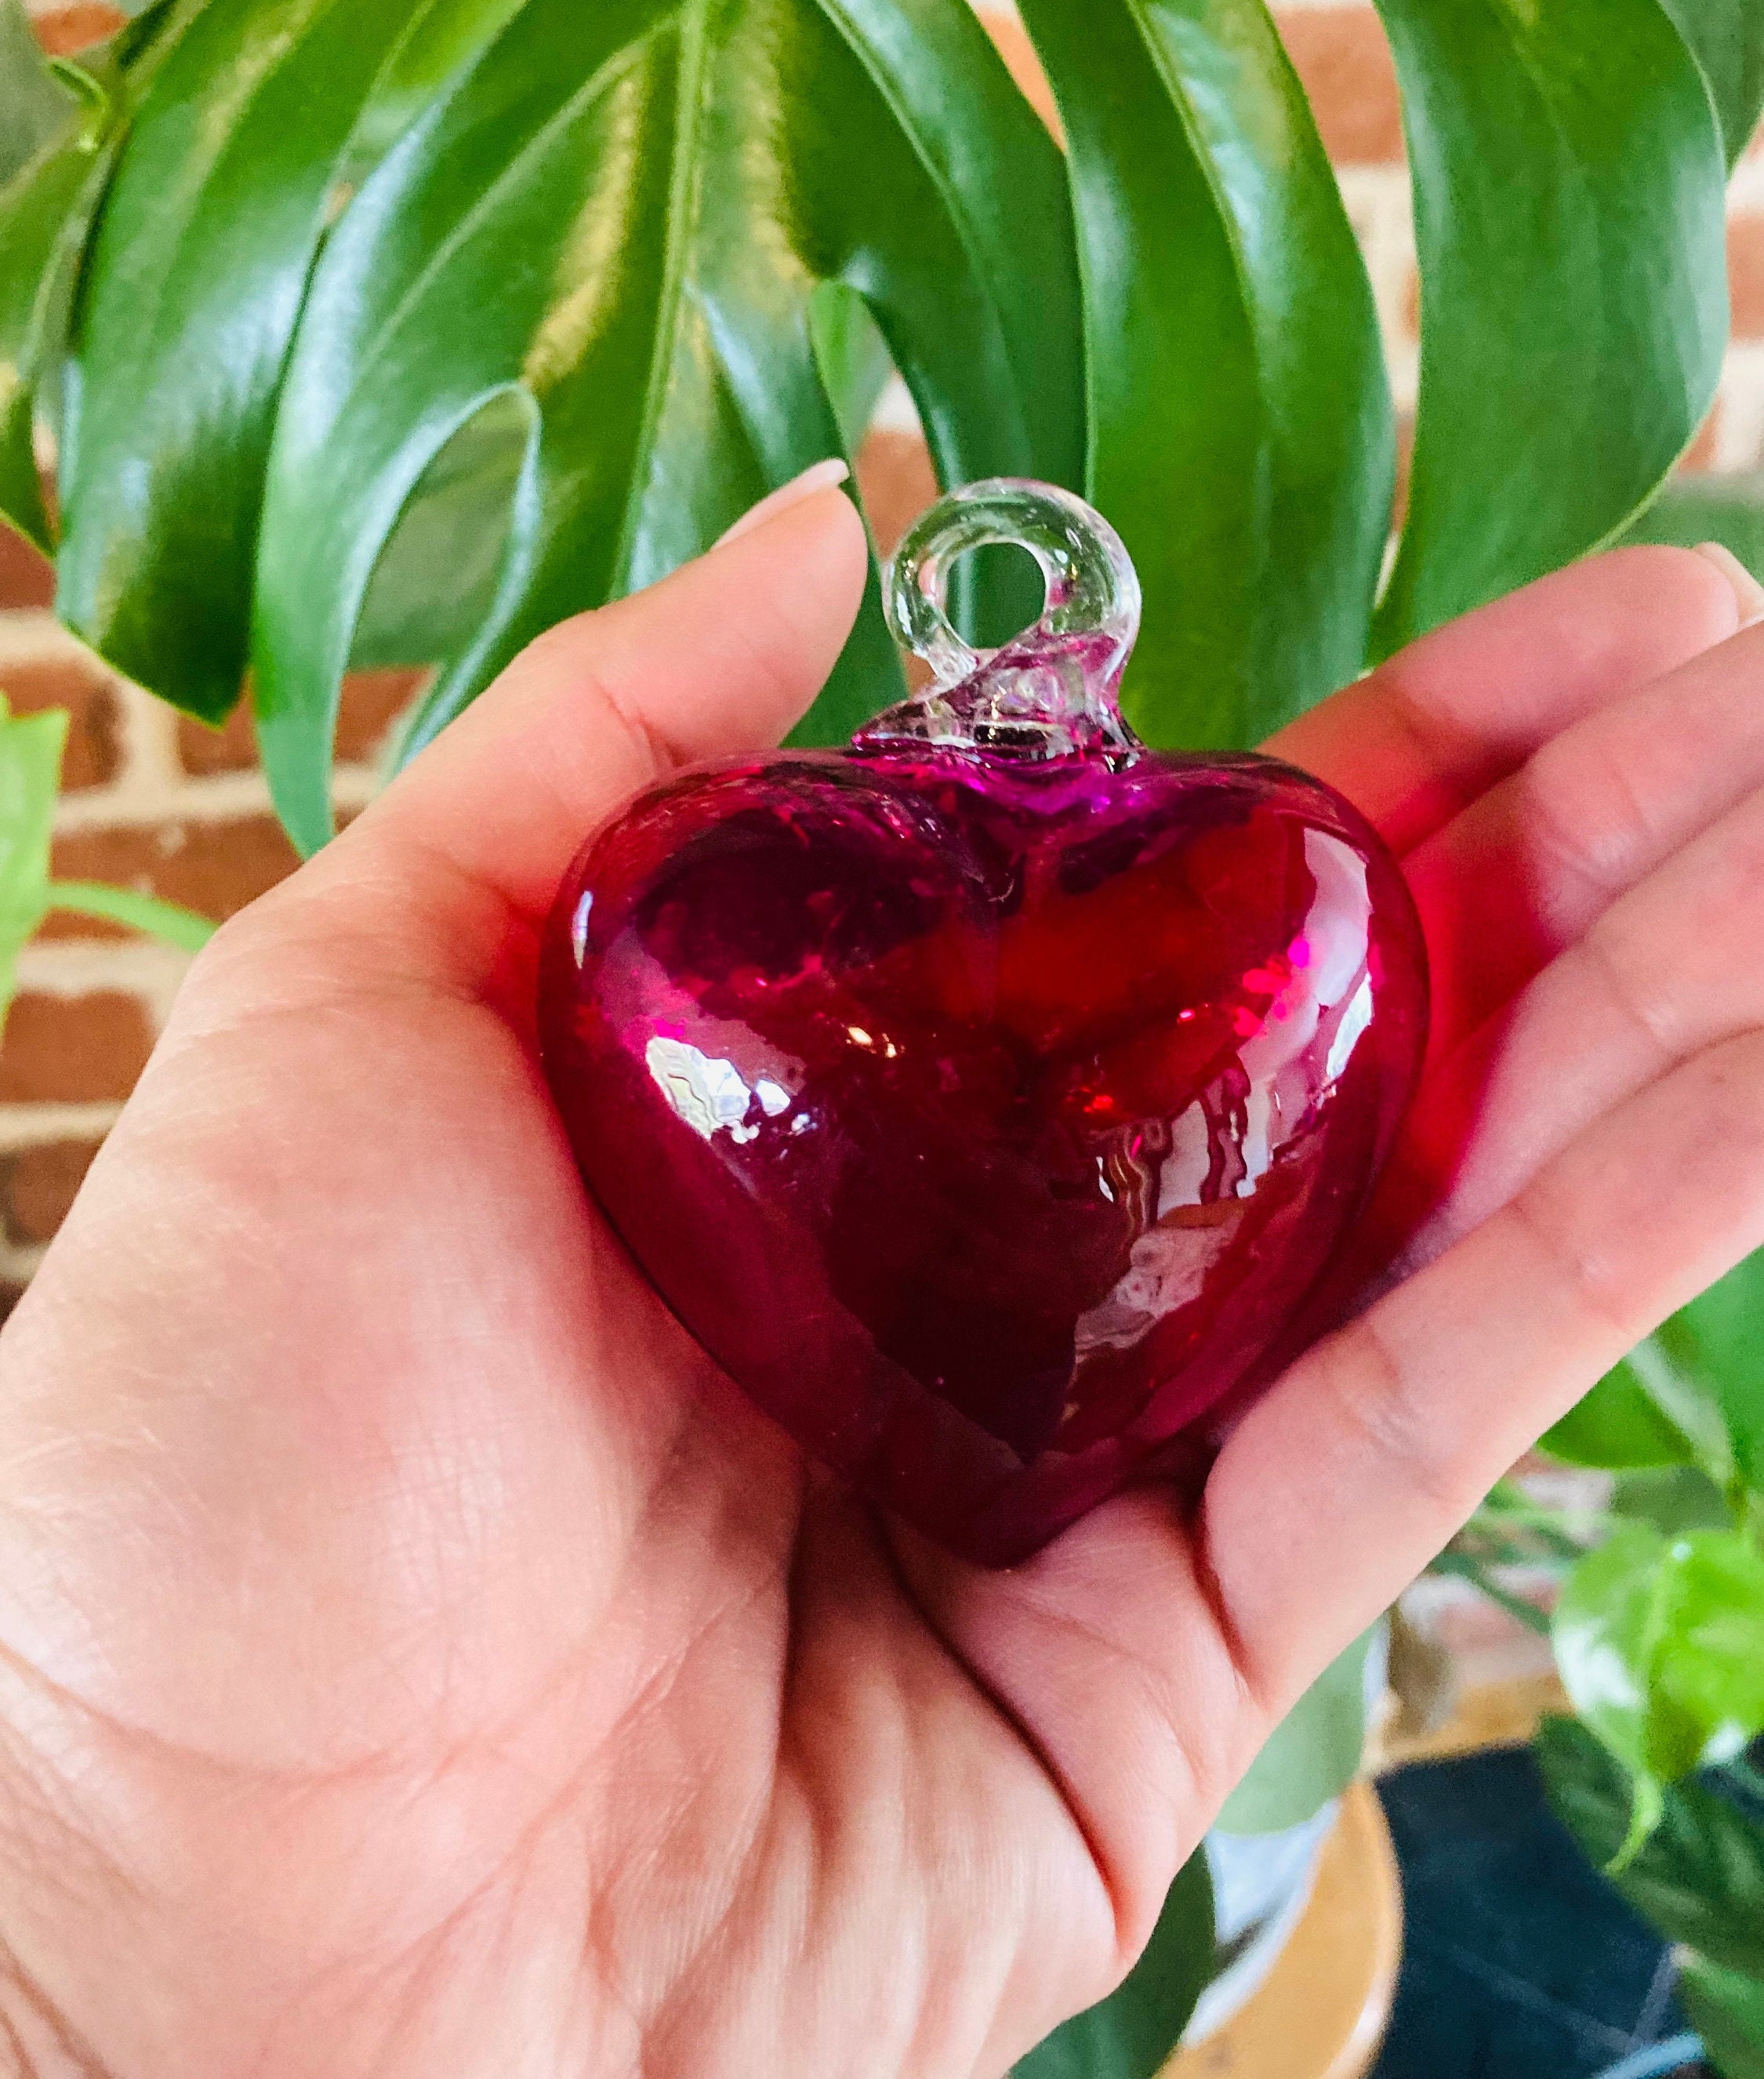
(1091, 587)
(1051, 691)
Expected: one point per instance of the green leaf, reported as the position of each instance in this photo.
(1312, 1755)
(1672, 1498)
(1131, 2034)
(1466, 1567)
(1617, 1424)
(1660, 1644)
(30, 778)
(169, 921)
(194, 286)
(1241, 436)
(435, 579)
(1726, 508)
(852, 357)
(1699, 1876)
(679, 181)
(36, 108)
(1718, 1341)
(1726, 37)
(44, 216)
(1569, 216)
(47, 215)
(1727, 2010)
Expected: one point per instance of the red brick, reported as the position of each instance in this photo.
(26, 576)
(1745, 275)
(212, 868)
(1015, 49)
(37, 1185)
(63, 30)
(1341, 56)
(82, 685)
(1411, 312)
(372, 702)
(74, 1050)
(896, 483)
(231, 748)
(1701, 455)
(1400, 503)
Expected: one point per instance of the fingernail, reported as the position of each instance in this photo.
(818, 476)
(1746, 589)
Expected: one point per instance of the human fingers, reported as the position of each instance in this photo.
(1666, 970)
(724, 655)
(1427, 732)
(1529, 866)
(1338, 1487)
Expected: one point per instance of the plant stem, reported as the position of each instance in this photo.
(1473, 1570)
(168, 922)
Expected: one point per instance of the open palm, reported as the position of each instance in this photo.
(415, 1658)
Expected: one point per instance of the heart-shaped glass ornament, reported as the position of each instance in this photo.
(988, 1097)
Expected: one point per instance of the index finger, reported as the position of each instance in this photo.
(1426, 733)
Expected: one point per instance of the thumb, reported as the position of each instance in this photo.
(724, 655)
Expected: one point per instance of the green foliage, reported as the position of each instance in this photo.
(30, 775)
(1725, 39)
(1718, 1341)
(1729, 509)
(403, 330)
(1554, 394)
(1660, 1643)
(1618, 1424)
(47, 210)
(1131, 2034)
(1699, 1877)
(36, 108)
(1727, 2009)
(30, 748)
(1312, 1755)
(1240, 425)
(1672, 1498)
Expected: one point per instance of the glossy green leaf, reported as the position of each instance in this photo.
(1725, 509)
(1660, 1644)
(1726, 2009)
(1699, 1876)
(852, 357)
(194, 286)
(1312, 1755)
(1718, 1341)
(435, 579)
(30, 778)
(679, 181)
(1618, 1424)
(44, 215)
(1131, 2034)
(36, 108)
(1569, 193)
(1241, 432)
(46, 212)
(1727, 39)
(1672, 1498)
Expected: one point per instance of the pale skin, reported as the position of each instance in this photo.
(416, 1659)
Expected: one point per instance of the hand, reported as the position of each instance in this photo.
(416, 1659)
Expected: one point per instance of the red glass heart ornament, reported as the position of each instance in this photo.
(988, 1097)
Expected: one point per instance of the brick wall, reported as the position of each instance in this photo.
(168, 806)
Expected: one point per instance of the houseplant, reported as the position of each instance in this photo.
(350, 321)
(1658, 1628)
